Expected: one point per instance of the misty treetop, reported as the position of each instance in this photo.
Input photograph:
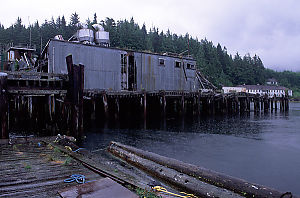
(222, 68)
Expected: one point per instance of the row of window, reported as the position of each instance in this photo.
(177, 64)
(276, 91)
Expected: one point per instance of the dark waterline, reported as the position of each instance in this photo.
(262, 148)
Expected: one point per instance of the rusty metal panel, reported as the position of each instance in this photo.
(101, 188)
(153, 77)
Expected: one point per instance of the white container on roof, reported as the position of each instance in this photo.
(85, 35)
(101, 36)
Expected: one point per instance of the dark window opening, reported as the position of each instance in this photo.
(161, 62)
(190, 66)
(177, 64)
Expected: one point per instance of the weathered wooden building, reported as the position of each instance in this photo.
(116, 69)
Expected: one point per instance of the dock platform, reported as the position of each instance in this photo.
(31, 168)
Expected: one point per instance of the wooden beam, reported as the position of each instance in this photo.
(3, 106)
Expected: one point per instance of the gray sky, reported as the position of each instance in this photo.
(269, 28)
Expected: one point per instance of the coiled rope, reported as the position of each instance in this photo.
(80, 179)
(162, 189)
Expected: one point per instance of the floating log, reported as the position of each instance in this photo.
(184, 182)
(236, 185)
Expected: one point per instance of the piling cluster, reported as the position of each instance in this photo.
(59, 103)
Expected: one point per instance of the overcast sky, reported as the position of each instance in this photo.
(269, 28)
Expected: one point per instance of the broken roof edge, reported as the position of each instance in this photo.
(21, 48)
(116, 48)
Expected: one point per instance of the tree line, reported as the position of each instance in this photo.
(221, 68)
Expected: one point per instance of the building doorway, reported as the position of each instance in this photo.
(128, 72)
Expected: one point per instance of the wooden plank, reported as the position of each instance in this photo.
(100, 168)
(101, 188)
(34, 79)
(36, 175)
(36, 74)
(36, 91)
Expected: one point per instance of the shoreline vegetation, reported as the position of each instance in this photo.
(220, 67)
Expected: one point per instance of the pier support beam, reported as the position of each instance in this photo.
(182, 104)
(105, 106)
(164, 101)
(198, 103)
(275, 103)
(271, 104)
(145, 109)
(281, 104)
(75, 96)
(3, 106)
(286, 103)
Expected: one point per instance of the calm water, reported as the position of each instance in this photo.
(262, 148)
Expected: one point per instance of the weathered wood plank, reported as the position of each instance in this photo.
(39, 172)
(35, 74)
(36, 92)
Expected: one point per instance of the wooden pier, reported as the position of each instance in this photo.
(32, 168)
(110, 105)
(57, 103)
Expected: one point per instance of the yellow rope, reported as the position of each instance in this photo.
(162, 189)
(68, 148)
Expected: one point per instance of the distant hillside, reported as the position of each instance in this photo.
(220, 67)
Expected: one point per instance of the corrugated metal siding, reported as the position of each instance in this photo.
(103, 68)
(102, 65)
(153, 77)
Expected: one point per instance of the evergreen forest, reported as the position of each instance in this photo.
(220, 67)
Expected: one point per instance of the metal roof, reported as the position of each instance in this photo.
(128, 50)
(21, 48)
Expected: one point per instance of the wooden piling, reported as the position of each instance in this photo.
(272, 106)
(182, 105)
(213, 105)
(145, 108)
(248, 103)
(117, 113)
(80, 95)
(198, 103)
(105, 106)
(286, 103)
(281, 104)
(75, 96)
(3, 106)
(237, 105)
